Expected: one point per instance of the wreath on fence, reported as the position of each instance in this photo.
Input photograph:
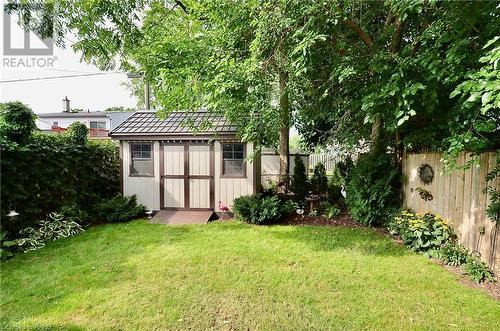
(425, 174)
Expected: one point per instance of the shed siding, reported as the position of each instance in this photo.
(227, 189)
(145, 188)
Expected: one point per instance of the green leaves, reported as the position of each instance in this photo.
(422, 233)
(52, 170)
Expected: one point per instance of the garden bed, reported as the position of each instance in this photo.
(344, 219)
(492, 288)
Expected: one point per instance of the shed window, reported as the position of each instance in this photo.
(141, 163)
(233, 157)
(97, 125)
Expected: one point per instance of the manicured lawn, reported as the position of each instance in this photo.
(235, 276)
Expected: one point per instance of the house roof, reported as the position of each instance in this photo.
(116, 117)
(70, 115)
(147, 123)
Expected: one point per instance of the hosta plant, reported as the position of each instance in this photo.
(53, 228)
(453, 254)
(421, 232)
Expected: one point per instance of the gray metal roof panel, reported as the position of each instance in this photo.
(148, 123)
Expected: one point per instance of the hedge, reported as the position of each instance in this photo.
(42, 173)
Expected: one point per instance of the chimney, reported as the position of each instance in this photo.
(66, 106)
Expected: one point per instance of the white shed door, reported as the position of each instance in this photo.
(174, 176)
(199, 176)
(187, 176)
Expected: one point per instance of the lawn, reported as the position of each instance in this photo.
(235, 276)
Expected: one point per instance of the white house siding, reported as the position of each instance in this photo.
(147, 189)
(66, 122)
(227, 189)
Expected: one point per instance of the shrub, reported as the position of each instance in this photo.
(17, 122)
(478, 270)
(319, 180)
(335, 194)
(421, 233)
(81, 216)
(374, 189)
(260, 209)
(343, 171)
(453, 254)
(120, 209)
(6, 250)
(78, 133)
(53, 228)
(330, 210)
(300, 184)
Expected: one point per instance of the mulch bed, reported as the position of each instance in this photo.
(345, 220)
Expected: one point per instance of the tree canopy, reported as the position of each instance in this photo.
(420, 75)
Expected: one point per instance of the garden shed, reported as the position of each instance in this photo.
(186, 161)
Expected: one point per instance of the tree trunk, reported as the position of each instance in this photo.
(284, 122)
(376, 136)
(398, 150)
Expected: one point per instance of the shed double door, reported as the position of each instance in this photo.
(187, 176)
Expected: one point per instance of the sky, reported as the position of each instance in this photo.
(45, 96)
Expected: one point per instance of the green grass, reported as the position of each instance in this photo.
(235, 276)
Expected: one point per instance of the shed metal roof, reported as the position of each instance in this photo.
(147, 123)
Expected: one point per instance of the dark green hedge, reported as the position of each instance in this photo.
(46, 172)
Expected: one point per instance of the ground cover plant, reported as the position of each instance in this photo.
(231, 275)
(53, 228)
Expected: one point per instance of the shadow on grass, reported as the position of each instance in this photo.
(98, 259)
(365, 240)
(326, 238)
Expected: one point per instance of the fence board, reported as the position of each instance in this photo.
(458, 197)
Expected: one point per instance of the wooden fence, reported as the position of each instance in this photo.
(328, 160)
(270, 165)
(458, 197)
